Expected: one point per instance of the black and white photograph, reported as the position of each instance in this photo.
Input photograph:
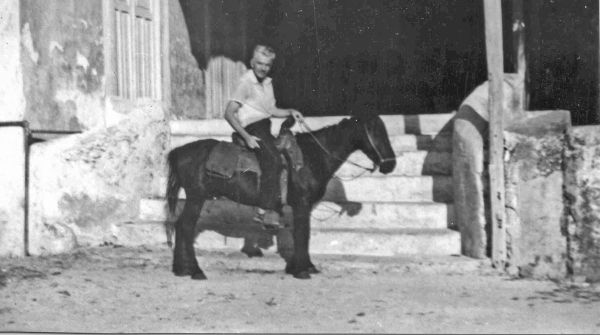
(300, 166)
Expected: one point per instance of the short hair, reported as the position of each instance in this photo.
(263, 50)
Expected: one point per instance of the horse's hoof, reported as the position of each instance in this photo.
(253, 252)
(302, 275)
(313, 270)
(199, 276)
(181, 272)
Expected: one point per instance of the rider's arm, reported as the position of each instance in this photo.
(279, 112)
(231, 117)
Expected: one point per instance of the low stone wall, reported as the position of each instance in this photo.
(82, 185)
(583, 199)
(534, 178)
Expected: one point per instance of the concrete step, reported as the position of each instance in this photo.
(366, 242)
(391, 215)
(369, 188)
(374, 242)
(401, 142)
(390, 189)
(395, 124)
(410, 163)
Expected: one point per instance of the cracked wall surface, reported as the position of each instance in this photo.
(63, 64)
(535, 207)
(83, 186)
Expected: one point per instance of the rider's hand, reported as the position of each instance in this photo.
(296, 114)
(252, 142)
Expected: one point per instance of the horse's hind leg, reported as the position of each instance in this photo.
(184, 260)
(251, 248)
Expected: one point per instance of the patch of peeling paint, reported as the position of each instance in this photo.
(27, 43)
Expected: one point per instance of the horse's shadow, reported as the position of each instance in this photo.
(230, 219)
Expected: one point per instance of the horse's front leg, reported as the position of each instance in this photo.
(300, 265)
(184, 260)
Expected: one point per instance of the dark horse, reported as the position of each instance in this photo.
(324, 152)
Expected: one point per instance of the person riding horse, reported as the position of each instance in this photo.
(248, 112)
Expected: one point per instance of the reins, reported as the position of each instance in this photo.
(310, 132)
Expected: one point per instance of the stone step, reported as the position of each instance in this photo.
(366, 242)
(391, 215)
(395, 124)
(369, 188)
(401, 142)
(410, 163)
(390, 189)
(372, 242)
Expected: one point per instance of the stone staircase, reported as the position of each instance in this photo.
(407, 212)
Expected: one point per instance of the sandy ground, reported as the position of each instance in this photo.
(113, 289)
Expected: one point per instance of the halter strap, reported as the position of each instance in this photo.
(379, 155)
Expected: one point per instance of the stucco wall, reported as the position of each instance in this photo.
(63, 63)
(12, 106)
(583, 199)
(83, 185)
(187, 79)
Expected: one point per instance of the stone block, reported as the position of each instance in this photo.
(583, 199)
(534, 177)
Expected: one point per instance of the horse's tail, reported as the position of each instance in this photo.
(173, 183)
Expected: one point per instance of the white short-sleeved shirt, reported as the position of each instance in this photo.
(256, 99)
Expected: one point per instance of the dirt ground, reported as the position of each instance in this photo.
(116, 289)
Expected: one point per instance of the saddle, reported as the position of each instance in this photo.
(226, 159)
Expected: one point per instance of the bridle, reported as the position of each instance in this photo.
(379, 155)
(371, 142)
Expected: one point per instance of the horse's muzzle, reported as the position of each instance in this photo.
(387, 165)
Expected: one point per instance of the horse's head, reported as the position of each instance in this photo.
(373, 140)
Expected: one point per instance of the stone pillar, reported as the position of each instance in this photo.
(12, 144)
(583, 198)
(535, 206)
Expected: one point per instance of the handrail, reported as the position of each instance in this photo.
(26, 135)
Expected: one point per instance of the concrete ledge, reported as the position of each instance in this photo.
(395, 124)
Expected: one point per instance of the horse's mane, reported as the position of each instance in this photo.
(322, 133)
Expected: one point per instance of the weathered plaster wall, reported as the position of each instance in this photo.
(83, 185)
(469, 152)
(535, 209)
(187, 79)
(583, 199)
(12, 100)
(62, 57)
(12, 106)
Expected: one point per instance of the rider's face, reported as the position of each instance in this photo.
(261, 66)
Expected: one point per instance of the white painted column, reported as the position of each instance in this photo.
(12, 146)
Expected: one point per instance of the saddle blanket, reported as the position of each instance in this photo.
(227, 158)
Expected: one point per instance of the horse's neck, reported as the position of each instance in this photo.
(338, 147)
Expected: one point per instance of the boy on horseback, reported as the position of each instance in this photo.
(248, 112)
